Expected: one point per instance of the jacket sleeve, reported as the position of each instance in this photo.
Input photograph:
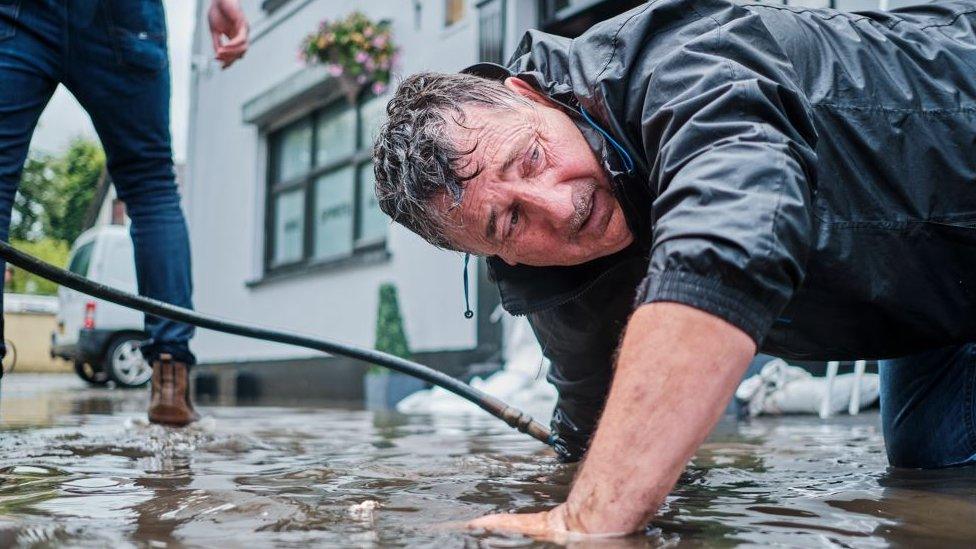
(731, 149)
(580, 340)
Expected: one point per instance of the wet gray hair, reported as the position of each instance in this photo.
(414, 158)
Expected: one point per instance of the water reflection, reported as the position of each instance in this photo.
(80, 467)
(938, 506)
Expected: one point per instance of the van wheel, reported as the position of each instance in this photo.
(88, 373)
(124, 362)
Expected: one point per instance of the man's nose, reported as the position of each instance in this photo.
(549, 203)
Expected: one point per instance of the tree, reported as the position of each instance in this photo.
(49, 208)
(390, 336)
(79, 171)
(50, 250)
(55, 192)
(28, 212)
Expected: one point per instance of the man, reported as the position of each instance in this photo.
(709, 179)
(112, 56)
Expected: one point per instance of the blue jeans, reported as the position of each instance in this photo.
(928, 408)
(112, 55)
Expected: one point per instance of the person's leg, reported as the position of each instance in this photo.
(119, 71)
(29, 45)
(120, 74)
(928, 408)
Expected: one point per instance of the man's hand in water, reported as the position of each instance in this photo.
(229, 30)
(548, 525)
(678, 368)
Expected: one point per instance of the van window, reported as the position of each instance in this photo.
(81, 260)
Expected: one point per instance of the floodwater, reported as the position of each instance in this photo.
(79, 467)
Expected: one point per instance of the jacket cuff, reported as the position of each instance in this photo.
(752, 315)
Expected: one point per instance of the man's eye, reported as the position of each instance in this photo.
(532, 160)
(515, 218)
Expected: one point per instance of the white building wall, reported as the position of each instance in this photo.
(225, 204)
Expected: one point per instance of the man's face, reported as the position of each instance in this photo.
(542, 197)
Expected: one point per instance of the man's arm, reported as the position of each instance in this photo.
(580, 338)
(677, 369)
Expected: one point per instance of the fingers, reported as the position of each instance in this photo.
(227, 56)
(532, 524)
(215, 37)
(240, 36)
(233, 49)
(545, 526)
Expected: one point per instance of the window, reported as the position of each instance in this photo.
(549, 8)
(848, 5)
(321, 204)
(491, 31)
(810, 3)
(856, 5)
(453, 11)
(271, 5)
(570, 18)
(81, 260)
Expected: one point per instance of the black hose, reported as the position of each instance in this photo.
(510, 415)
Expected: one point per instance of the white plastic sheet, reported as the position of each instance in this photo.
(521, 384)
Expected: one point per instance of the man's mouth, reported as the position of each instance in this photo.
(584, 213)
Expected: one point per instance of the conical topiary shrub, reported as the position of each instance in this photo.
(385, 388)
(390, 335)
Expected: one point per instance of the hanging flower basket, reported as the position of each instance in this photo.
(356, 50)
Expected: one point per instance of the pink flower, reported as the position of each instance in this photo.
(369, 65)
(379, 41)
(378, 88)
(361, 79)
(335, 70)
(361, 56)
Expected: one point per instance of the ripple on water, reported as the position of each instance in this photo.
(289, 476)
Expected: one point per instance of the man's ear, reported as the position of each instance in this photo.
(523, 88)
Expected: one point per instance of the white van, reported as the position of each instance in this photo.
(102, 338)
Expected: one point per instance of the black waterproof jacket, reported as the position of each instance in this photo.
(807, 175)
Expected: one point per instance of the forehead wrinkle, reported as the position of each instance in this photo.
(514, 153)
(488, 138)
(463, 220)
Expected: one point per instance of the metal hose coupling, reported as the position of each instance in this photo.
(517, 419)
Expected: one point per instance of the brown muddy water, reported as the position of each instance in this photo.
(79, 467)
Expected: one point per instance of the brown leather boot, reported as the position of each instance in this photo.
(171, 403)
